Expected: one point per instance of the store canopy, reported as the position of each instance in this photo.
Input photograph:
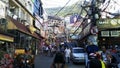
(16, 25)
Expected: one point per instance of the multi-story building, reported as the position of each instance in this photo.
(56, 28)
(18, 20)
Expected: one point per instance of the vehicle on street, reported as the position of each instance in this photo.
(78, 55)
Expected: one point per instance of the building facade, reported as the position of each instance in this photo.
(17, 21)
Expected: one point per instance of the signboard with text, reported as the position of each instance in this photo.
(108, 23)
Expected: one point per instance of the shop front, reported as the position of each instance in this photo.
(109, 32)
(6, 47)
(25, 37)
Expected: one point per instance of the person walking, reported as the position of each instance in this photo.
(106, 56)
(67, 54)
(96, 61)
(59, 61)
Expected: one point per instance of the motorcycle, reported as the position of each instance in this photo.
(24, 61)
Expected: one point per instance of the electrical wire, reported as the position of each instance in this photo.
(108, 3)
(87, 15)
(116, 2)
(62, 8)
(115, 14)
(72, 8)
(82, 20)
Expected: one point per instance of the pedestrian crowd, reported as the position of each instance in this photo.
(60, 53)
(97, 57)
(103, 57)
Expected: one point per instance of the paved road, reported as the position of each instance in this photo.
(71, 65)
(45, 62)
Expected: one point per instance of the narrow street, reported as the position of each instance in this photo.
(81, 29)
(45, 62)
(71, 65)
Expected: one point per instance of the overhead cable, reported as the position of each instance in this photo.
(62, 8)
(82, 20)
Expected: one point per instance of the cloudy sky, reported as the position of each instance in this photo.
(56, 3)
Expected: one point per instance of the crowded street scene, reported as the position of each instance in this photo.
(59, 34)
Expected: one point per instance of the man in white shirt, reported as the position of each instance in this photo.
(67, 54)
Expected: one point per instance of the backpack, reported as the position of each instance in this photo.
(94, 63)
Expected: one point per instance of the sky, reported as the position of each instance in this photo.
(56, 3)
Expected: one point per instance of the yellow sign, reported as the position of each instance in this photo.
(19, 51)
(108, 23)
(6, 38)
(32, 29)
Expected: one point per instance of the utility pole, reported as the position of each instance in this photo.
(94, 16)
(94, 12)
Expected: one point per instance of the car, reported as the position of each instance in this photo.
(78, 55)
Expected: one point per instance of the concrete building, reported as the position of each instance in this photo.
(17, 24)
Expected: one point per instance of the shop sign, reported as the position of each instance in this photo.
(114, 34)
(110, 33)
(108, 23)
(105, 33)
(6, 38)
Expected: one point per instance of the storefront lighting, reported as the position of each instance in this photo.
(103, 39)
(89, 20)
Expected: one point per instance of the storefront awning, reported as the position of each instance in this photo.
(14, 24)
(37, 35)
(6, 38)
